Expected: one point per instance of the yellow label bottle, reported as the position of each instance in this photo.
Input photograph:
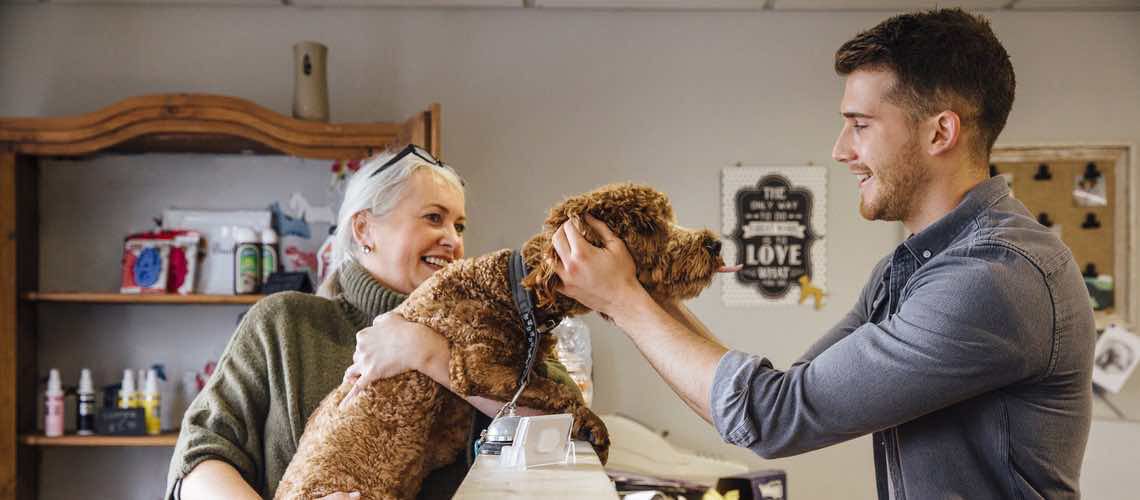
(128, 397)
(151, 404)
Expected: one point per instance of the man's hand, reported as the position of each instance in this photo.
(391, 346)
(600, 278)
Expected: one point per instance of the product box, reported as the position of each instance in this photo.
(756, 485)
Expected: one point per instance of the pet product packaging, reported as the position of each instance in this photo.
(180, 278)
(145, 264)
(216, 227)
(160, 262)
(300, 234)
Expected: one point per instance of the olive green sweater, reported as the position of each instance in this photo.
(290, 350)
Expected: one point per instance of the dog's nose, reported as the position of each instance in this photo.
(713, 246)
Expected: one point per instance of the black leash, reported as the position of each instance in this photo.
(524, 303)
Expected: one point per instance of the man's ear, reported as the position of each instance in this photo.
(945, 132)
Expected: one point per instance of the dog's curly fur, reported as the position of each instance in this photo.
(399, 429)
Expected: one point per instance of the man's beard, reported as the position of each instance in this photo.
(898, 184)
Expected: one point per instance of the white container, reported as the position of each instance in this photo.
(53, 406)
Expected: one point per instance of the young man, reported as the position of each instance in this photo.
(969, 352)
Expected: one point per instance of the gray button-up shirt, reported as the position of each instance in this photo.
(968, 355)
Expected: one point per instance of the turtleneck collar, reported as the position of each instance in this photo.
(361, 290)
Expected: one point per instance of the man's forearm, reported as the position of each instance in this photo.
(684, 358)
(684, 316)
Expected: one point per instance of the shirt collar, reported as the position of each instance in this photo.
(931, 241)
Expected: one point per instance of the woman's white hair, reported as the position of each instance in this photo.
(379, 194)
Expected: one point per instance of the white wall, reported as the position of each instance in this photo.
(539, 104)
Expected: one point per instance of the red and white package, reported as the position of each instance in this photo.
(145, 263)
(183, 262)
(160, 262)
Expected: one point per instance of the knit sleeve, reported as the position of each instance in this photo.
(557, 372)
(226, 420)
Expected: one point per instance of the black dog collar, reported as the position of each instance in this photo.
(524, 303)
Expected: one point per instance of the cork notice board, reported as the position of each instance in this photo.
(1053, 195)
(1083, 185)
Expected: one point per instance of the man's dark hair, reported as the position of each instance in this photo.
(942, 59)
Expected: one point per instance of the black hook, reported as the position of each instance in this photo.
(1090, 270)
(1090, 222)
(1091, 173)
(1044, 220)
(1043, 173)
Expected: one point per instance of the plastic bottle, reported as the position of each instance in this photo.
(53, 406)
(268, 253)
(128, 396)
(574, 351)
(85, 405)
(152, 399)
(247, 261)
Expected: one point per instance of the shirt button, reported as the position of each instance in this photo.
(926, 254)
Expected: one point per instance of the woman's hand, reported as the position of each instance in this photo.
(391, 346)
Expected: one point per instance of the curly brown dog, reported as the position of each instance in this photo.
(399, 429)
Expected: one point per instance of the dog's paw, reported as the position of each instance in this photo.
(590, 428)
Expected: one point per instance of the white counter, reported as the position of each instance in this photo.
(583, 479)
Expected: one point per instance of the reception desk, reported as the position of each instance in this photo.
(584, 479)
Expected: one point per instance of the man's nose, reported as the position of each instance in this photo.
(842, 152)
(713, 246)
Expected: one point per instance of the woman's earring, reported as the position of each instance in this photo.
(366, 248)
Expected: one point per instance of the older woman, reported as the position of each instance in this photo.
(402, 219)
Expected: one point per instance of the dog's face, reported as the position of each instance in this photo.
(672, 262)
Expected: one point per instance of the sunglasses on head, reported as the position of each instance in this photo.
(410, 149)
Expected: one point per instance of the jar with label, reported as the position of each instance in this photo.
(247, 261)
(268, 253)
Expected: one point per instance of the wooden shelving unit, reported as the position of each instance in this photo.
(122, 298)
(167, 123)
(74, 440)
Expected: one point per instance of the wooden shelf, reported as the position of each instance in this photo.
(123, 298)
(75, 440)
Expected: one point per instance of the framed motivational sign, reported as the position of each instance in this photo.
(775, 219)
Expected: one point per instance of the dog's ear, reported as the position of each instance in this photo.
(542, 278)
(585, 229)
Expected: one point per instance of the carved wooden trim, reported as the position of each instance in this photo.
(201, 123)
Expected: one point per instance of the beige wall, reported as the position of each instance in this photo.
(539, 104)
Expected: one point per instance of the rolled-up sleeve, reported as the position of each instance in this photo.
(730, 397)
(946, 343)
(225, 421)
